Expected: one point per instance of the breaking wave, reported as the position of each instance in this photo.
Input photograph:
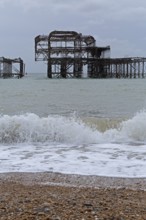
(131, 130)
(31, 128)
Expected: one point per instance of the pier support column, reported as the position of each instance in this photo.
(49, 70)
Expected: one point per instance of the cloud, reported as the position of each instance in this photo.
(23, 4)
(115, 22)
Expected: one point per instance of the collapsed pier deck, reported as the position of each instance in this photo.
(72, 55)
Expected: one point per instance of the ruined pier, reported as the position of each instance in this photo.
(72, 55)
(11, 67)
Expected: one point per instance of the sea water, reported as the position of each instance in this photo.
(74, 126)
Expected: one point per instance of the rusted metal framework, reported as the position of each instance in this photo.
(132, 67)
(71, 54)
(68, 53)
(11, 67)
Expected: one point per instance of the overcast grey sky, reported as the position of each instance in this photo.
(118, 23)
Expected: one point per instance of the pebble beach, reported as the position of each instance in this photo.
(55, 196)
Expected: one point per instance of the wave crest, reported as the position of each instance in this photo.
(131, 130)
(32, 128)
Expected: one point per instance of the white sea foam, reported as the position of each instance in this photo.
(65, 144)
(30, 128)
(135, 128)
(132, 130)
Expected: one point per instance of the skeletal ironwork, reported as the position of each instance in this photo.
(71, 54)
(11, 67)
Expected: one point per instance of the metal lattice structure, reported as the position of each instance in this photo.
(68, 53)
(11, 67)
(131, 67)
(71, 54)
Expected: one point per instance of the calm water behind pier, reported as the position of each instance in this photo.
(84, 126)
